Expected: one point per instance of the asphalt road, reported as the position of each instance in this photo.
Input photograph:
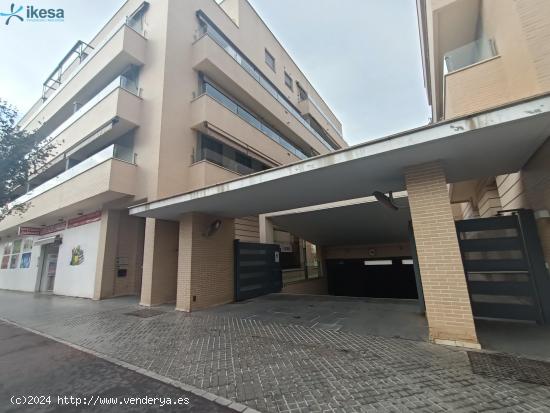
(32, 365)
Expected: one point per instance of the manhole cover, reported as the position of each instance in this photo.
(510, 367)
(145, 313)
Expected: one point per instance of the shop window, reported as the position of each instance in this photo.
(16, 254)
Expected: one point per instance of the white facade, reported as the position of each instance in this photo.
(72, 280)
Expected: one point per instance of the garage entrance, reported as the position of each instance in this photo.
(376, 278)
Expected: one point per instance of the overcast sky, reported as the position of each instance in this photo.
(362, 56)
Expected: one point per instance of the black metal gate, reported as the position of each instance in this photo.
(257, 270)
(504, 266)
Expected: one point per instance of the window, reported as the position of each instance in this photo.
(208, 28)
(302, 94)
(270, 60)
(250, 118)
(288, 81)
(135, 20)
(216, 152)
(17, 254)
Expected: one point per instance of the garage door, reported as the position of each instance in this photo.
(380, 278)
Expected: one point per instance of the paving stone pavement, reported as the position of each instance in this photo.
(278, 367)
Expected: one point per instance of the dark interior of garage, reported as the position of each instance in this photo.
(380, 278)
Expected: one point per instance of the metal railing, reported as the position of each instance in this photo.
(26, 120)
(121, 81)
(469, 54)
(218, 159)
(221, 40)
(111, 152)
(252, 120)
(323, 114)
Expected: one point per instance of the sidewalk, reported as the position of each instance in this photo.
(278, 368)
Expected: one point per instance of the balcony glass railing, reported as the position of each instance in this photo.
(469, 54)
(249, 118)
(121, 81)
(219, 38)
(325, 116)
(111, 152)
(130, 22)
(231, 164)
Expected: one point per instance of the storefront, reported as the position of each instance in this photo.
(59, 258)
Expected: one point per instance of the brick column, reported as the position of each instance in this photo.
(266, 230)
(160, 262)
(205, 263)
(448, 306)
(106, 256)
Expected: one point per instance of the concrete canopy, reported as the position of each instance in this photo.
(489, 143)
(362, 221)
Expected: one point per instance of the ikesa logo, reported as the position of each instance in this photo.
(33, 14)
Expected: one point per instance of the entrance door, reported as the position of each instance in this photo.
(505, 268)
(49, 267)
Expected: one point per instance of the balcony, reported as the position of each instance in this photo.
(205, 173)
(123, 48)
(469, 54)
(475, 79)
(104, 177)
(332, 127)
(206, 112)
(222, 67)
(110, 114)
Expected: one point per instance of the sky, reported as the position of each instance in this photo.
(362, 56)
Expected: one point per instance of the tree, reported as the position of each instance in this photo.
(22, 154)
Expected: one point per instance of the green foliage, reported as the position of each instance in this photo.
(22, 155)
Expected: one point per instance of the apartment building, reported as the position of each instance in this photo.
(169, 97)
(480, 55)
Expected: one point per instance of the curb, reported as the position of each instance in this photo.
(238, 407)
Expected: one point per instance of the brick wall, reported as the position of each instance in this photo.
(160, 262)
(534, 16)
(130, 254)
(488, 200)
(475, 88)
(447, 302)
(247, 229)
(205, 265)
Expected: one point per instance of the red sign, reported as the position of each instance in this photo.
(28, 231)
(84, 219)
(53, 228)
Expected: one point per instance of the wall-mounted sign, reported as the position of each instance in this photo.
(285, 247)
(84, 219)
(77, 256)
(28, 231)
(53, 228)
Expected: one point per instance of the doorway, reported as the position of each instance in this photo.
(49, 267)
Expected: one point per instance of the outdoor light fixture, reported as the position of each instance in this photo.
(386, 200)
(212, 228)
